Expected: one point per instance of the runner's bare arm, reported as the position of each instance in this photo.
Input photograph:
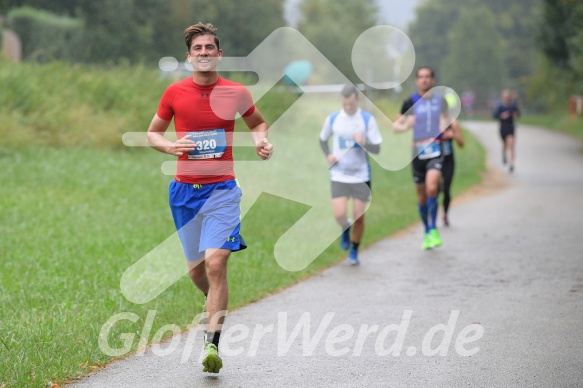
(155, 138)
(457, 133)
(404, 123)
(256, 123)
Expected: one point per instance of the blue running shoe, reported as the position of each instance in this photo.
(345, 239)
(353, 257)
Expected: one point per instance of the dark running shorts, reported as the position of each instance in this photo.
(506, 131)
(420, 168)
(359, 191)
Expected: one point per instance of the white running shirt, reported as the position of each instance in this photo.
(352, 164)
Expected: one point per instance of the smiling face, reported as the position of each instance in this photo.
(204, 53)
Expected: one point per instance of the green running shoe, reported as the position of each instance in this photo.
(211, 361)
(426, 242)
(434, 238)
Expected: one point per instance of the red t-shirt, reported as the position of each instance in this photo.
(198, 108)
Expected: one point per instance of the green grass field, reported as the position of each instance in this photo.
(73, 218)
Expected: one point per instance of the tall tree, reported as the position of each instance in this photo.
(560, 32)
(559, 71)
(576, 46)
(245, 24)
(62, 7)
(514, 22)
(429, 32)
(333, 27)
(145, 30)
(120, 30)
(474, 62)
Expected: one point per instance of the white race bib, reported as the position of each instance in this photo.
(346, 142)
(210, 144)
(427, 149)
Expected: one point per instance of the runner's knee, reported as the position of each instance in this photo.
(216, 265)
(215, 269)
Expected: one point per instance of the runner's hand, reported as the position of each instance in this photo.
(331, 159)
(447, 134)
(265, 149)
(181, 146)
(359, 139)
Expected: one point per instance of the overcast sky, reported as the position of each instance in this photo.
(398, 13)
(393, 12)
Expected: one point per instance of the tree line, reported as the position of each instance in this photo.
(144, 31)
(112, 31)
(533, 46)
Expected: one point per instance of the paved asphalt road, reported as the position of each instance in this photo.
(499, 304)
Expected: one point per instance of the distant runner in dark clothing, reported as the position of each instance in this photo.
(506, 111)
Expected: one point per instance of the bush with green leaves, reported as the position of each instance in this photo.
(46, 36)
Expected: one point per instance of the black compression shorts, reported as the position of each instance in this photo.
(421, 166)
(506, 131)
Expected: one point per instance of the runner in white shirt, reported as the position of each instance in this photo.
(354, 133)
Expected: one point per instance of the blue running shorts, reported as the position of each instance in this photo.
(206, 216)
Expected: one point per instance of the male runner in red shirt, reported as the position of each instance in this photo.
(204, 197)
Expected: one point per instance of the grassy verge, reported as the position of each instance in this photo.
(70, 106)
(571, 125)
(73, 219)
